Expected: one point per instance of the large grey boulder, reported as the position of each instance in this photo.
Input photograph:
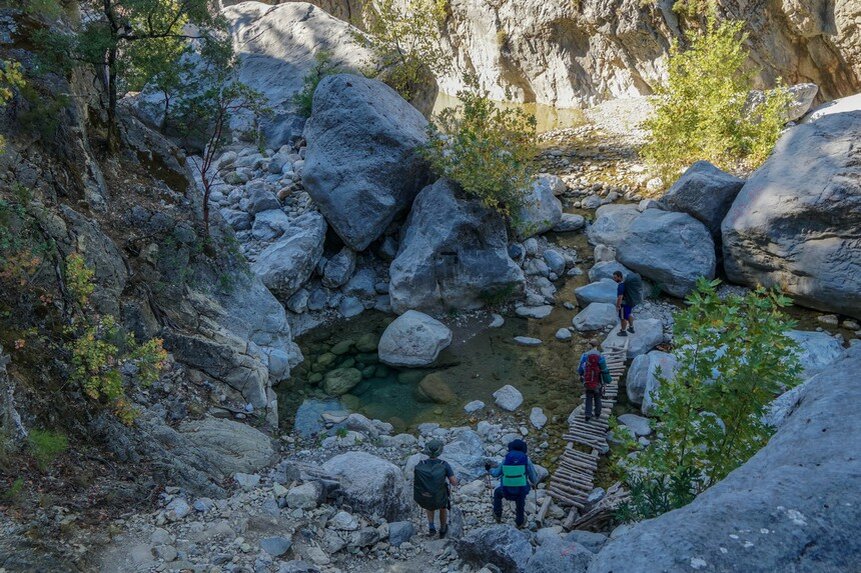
(603, 291)
(339, 268)
(672, 249)
(362, 164)
(605, 270)
(787, 509)
(641, 382)
(704, 192)
(286, 264)
(541, 210)
(371, 484)
(453, 254)
(611, 224)
(596, 316)
(465, 453)
(501, 545)
(797, 221)
(277, 47)
(555, 555)
(413, 339)
(229, 445)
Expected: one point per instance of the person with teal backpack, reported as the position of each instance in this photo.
(516, 475)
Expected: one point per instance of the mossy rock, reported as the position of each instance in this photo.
(315, 378)
(383, 371)
(369, 371)
(348, 363)
(341, 380)
(325, 360)
(411, 376)
(433, 388)
(368, 358)
(351, 402)
(368, 342)
(342, 347)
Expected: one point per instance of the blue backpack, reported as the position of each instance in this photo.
(514, 480)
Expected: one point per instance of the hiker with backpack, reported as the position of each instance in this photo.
(431, 479)
(593, 374)
(516, 474)
(629, 294)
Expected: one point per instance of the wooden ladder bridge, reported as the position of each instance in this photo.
(573, 480)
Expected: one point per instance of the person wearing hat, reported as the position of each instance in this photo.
(516, 474)
(431, 479)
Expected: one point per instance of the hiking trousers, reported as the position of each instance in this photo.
(593, 398)
(519, 504)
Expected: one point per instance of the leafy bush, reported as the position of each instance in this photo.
(485, 148)
(45, 446)
(99, 351)
(323, 67)
(405, 38)
(702, 111)
(11, 78)
(734, 357)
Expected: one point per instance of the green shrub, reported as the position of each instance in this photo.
(485, 148)
(98, 349)
(13, 494)
(734, 357)
(702, 111)
(323, 67)
(405, 39)
(11, 78)
(45, 446)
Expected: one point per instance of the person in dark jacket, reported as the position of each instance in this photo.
(593, 395)
(629, 293)
(516, 475)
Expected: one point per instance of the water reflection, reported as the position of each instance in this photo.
(548, 117)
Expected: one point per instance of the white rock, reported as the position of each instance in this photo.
(537, 418)
(527, 341)
(508, 398)
(473, 406)
(413, 339)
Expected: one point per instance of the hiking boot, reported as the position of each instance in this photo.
(443, 529)
(623, 333)
(497, 517)
(431, 531)
(588, 418)
(631, 329)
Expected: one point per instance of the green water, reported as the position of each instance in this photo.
(479, 361)
(548, 118)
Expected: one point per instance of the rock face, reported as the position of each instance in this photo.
(229, 445)
(413, 339)
(795, 488)
(541, 210)
(797, 221)
(453, 254)
(371, 484)
(649, 334)
(672, 249)
(641, 382)
(504, 546)
(705, 193)
(286, 264)
(569, 54)
(362, 165)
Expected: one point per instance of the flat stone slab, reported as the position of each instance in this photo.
(527, 341)
(537, 312)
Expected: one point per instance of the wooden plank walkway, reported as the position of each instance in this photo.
(573, 480)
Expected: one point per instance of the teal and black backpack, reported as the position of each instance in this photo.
(430, 490)
(514, 481)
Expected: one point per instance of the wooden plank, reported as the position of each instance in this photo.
(545, 505)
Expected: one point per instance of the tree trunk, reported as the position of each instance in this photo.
(113, 129)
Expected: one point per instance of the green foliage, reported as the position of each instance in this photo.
(405, 38)
(130, 42)
(485, 148)
(11, 78)
(45, 446)
(734, 357)
(99, 351)
(341, 432)
(323, 67)
(702, 111)
(15, 490)
(21, 255)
